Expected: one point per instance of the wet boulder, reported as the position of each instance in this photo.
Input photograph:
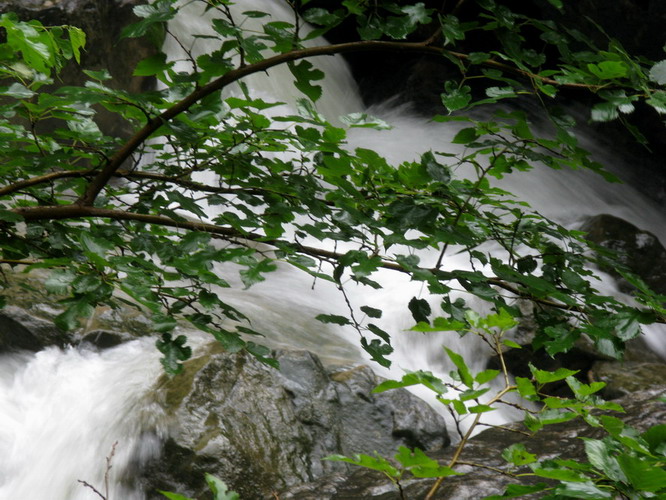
(263, 430)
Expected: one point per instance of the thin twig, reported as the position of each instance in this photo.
(88, 485)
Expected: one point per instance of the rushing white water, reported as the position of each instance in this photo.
(61, 411)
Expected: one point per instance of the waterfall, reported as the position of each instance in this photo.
(62, 410)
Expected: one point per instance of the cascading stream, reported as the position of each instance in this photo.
(62, 410)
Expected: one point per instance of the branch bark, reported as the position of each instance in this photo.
(73, 211)
(116, 161)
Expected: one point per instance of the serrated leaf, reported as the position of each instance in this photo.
(333, 318)
(463, 371)
(608, 70)
(371, 311)
(517, 455)
(175, 352)
(525, 387)
(419, 377)
(465, 136)
(545, 377)
(219, 489)
(305, 73)
(658, 73)
(642, 475)
(152, 65)
(585, 490)
(420, 309)
(17, 91)
(518, 490)
(511, 343)
(58, 281)
(601, 456)
(375, 463)
(567, 475)
(457, 98)
(77, 40)
(486, 376)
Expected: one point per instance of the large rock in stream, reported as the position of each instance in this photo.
(264, 430)
(642, 410)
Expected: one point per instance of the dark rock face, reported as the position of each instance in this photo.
(20, 330)
(560, 440)
(624, 378)
(262, 430)
(639, 250)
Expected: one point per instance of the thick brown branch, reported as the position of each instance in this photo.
(77, 212)
(33, 181)
(115, 162)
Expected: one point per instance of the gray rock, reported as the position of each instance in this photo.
(24, 331)
(639, 250)
(623, 378)
(262, 430)
(642, 410)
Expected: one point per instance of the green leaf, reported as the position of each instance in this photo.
(420, 309)
(581, 490)
(8, 216)
(658, 102)
(511, 343)
(333, 318)
(175, 352)
(517, 455)
(456, 98)
(78, 308)
(96, 245)
(375, 463)
(465, 136)
(655, 436)
(658, 73)
(564, 475)
(77, 40)
(305, 73)
(608, 70)
(581, 390)
(255, 272)
(413, 378)
(518, 490)
(371, 311)
(486, 376)
(364, 120)
(463, 371)
(545, 377)
(174, 496)
(219, 489)
(600, 455)
(157, 12)
(17, 90)
(152, 65)
(59, 281)
(642, 475)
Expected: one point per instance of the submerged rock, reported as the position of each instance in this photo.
(640, 251)
(264, 430)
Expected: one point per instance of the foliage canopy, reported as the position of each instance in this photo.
(214, 190)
